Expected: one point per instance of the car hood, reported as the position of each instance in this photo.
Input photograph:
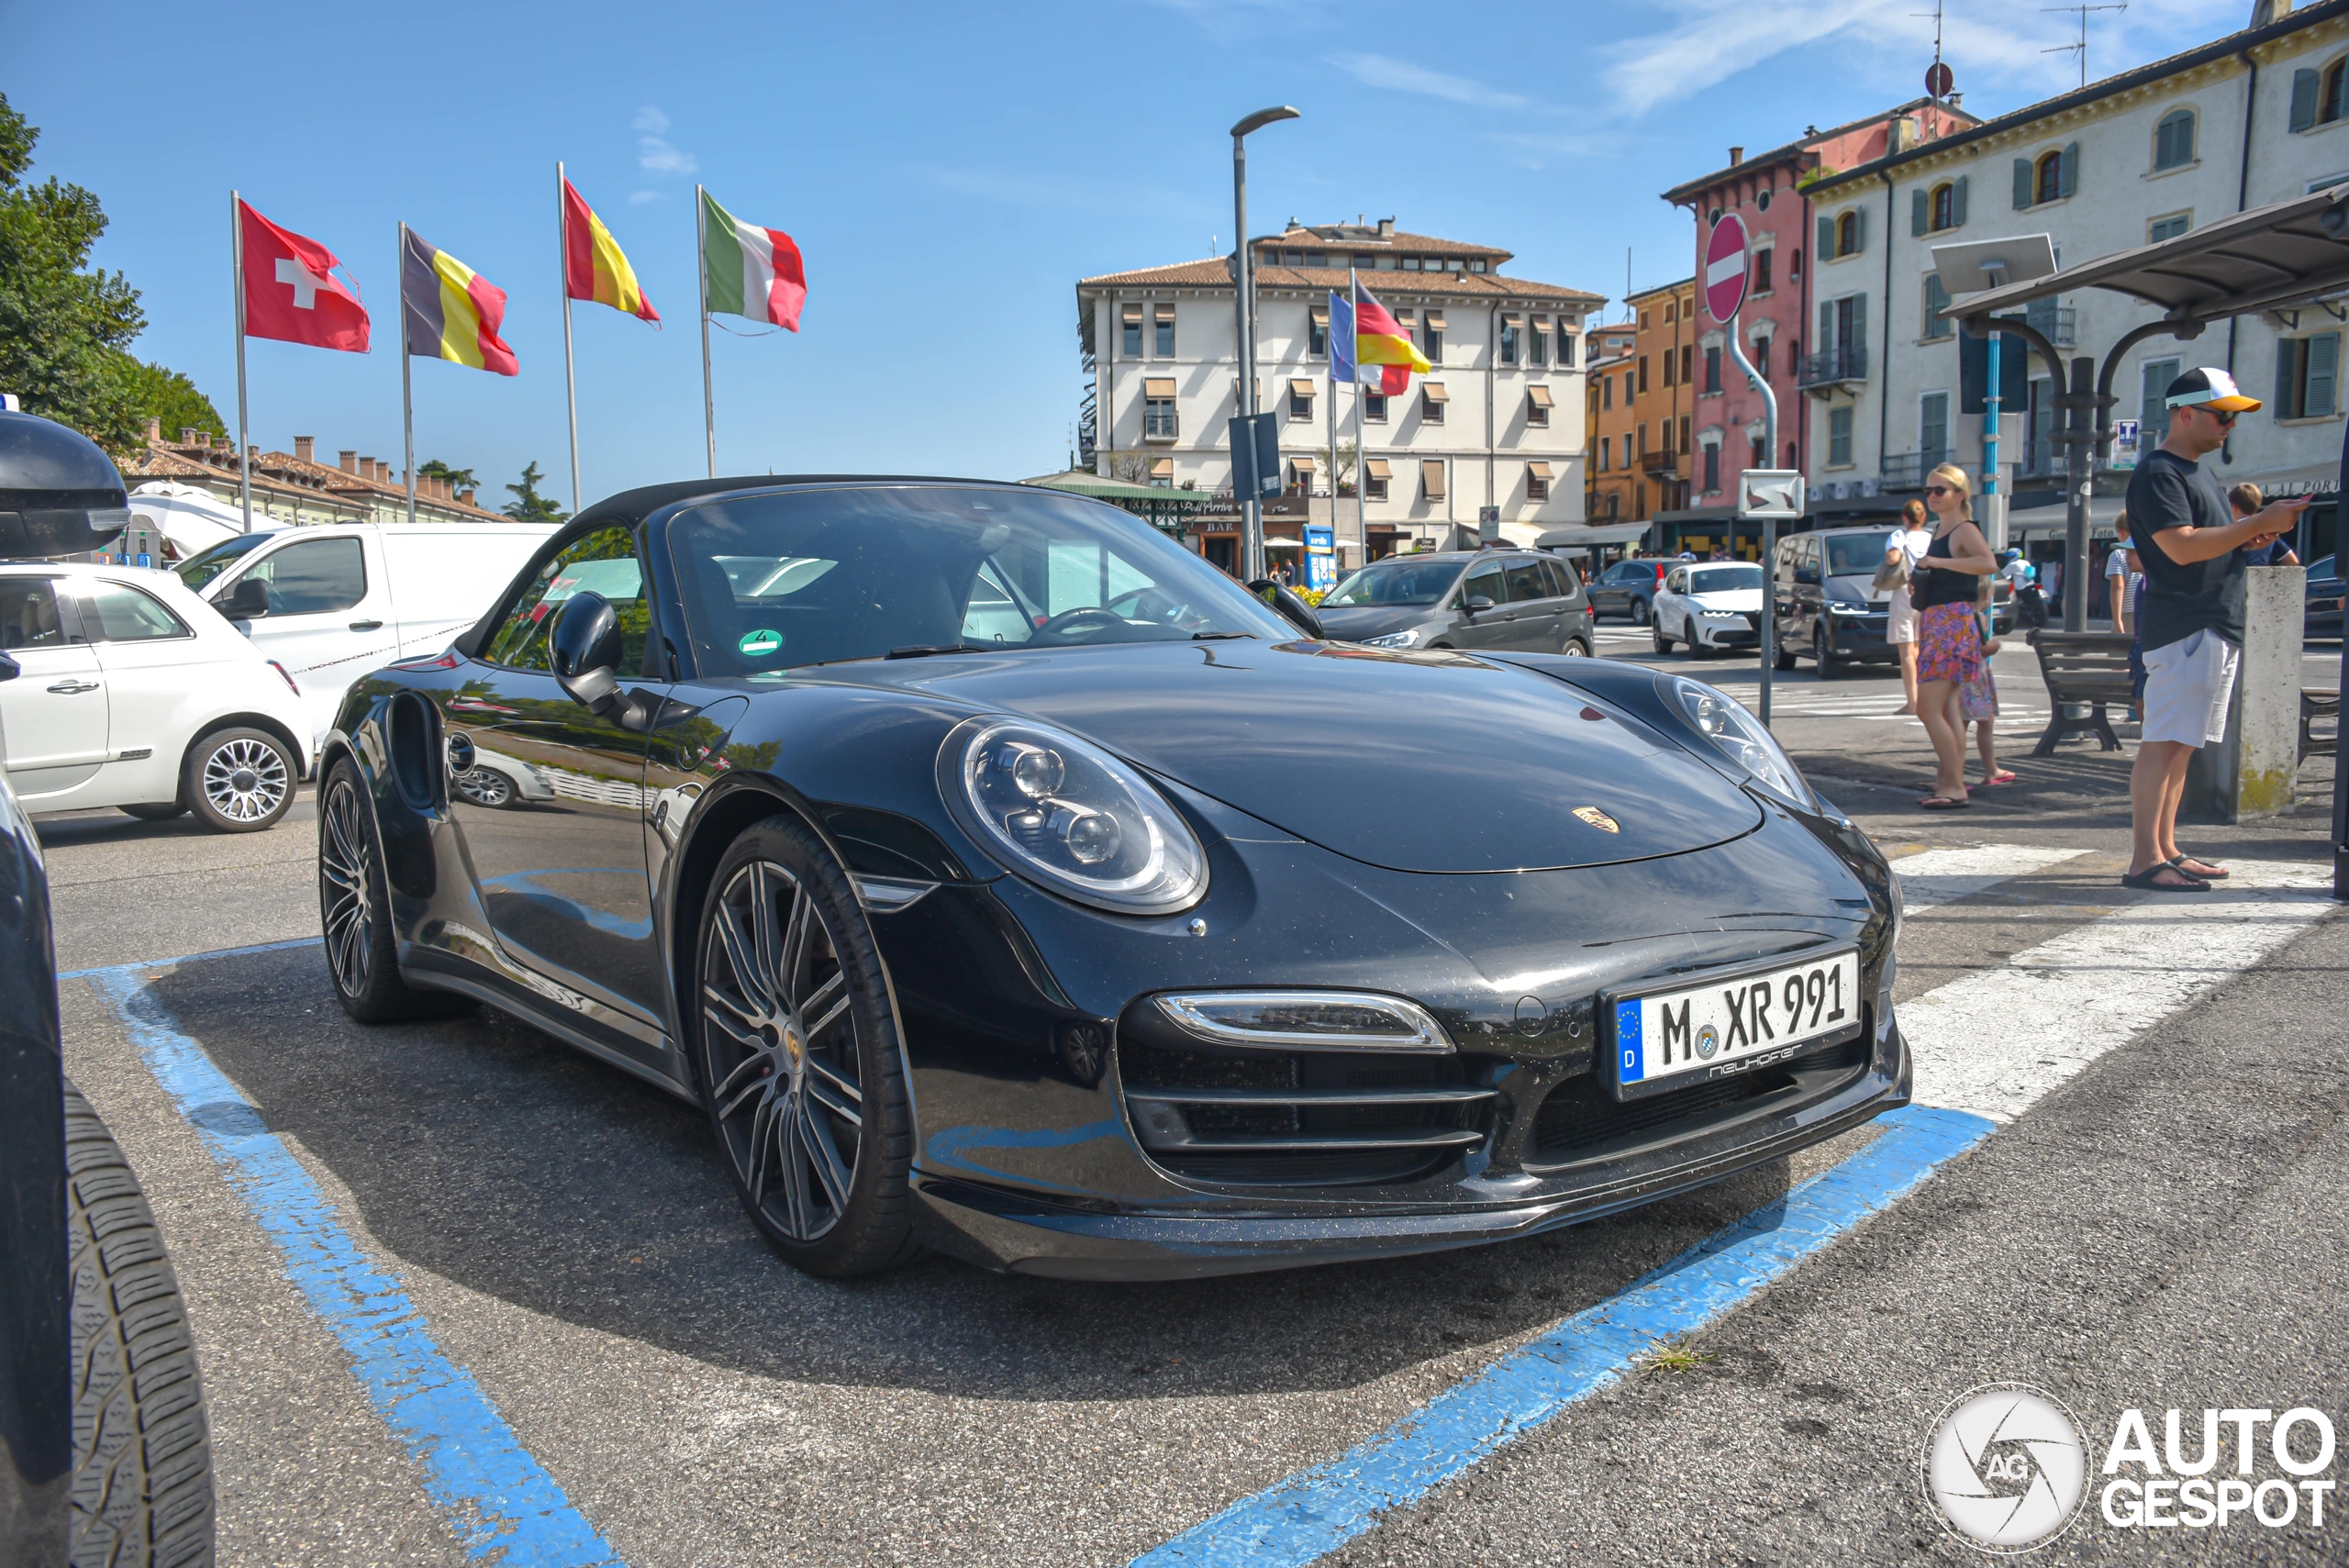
(1420, 761)
(1856, 591)
(1351, 623)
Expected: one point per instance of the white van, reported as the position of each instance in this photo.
(334, 601)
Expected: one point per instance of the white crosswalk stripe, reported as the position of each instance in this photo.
(1943, 876)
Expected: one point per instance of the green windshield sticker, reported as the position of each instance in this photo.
(759, 643)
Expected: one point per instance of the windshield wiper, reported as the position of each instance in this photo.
(921, 650)
(1220, 636)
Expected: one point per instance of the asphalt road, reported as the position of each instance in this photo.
(2159, 1227)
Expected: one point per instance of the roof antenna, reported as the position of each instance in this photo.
(1627, 285)
(2082, 47)
(1938, 79)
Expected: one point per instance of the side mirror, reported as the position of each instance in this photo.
(1478, 604)
(9, 668)
(586, 650)
(247, 600)
(1291, 608)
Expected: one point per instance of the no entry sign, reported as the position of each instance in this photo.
(1725, 267)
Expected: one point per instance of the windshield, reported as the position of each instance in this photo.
(778, 581)
(1396, 583)
(1855, 555)
(204, 566)
(1723, 579)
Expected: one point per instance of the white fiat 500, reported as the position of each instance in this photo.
(121, 687)
(1709, 606)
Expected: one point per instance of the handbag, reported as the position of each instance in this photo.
(1890, 577)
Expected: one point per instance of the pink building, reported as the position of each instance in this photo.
(1767, 192)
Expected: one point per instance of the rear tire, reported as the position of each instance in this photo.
(160, 811)
(142, 1449)
(354, 911)
(1640, 612)
(1662, 643)
(240, 780)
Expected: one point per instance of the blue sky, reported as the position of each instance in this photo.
(947, 169)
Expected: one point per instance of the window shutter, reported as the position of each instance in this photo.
(1958, 203)
(1859, 323)
(1826, 343)
(2323, 352)
(2286, 354)
(2304, 90)
(1860, 231)
(2022, 184)
(1917, 214)
(1825, 250)
(2070, 173)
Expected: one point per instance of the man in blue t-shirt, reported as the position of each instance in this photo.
(2189, 615)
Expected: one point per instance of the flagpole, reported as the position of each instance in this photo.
(1362, 460)
(701, 263)
(407, 397)
(237, 277)
(570, 386)
(1337, 557)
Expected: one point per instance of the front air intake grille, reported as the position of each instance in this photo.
(1580, 1120)
(1292, 1119)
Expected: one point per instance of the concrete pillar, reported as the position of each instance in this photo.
(2269, 755)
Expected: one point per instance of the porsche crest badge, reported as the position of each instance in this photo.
(1598, 819)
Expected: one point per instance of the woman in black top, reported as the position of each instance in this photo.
(1948, 652)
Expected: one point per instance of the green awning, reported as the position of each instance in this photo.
(1079, 482)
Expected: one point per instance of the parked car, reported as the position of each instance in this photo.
(2325, 592)
(137, 694)
(330, 602)
(1828, 607)
(105, 1452)
(498, 780)
(1095, 947)
(1477, 599)
(1628, 589)
(1708, 606)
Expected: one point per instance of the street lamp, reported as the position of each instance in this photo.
(1252, 511)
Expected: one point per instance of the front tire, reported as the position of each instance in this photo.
(142, 1450)
(797, 1050)
(484, 787)
(240, 780)
(1822, 649)
(354, 910)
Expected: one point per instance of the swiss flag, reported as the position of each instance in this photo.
(290, 291)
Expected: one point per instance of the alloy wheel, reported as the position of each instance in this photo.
(342, 873)
(484, 786)
(245, 780)
(780, 1040)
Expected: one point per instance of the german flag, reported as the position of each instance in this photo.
(593, 267)
(454, 312)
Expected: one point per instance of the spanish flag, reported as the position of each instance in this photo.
(452, 312)
(593, 267)
(1379, 340)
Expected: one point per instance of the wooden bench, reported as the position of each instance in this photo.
(2315, 703)
(2082, 667)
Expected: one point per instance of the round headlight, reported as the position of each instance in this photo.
(1737, 735)
(1065, 814)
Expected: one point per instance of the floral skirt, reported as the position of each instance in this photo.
(1947, 646)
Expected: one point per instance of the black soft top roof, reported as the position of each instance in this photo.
(635, 506)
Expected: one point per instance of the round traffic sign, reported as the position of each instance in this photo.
(1725, 267)
(1938, 79)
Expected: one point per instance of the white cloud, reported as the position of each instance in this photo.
(638, 199)
(1402, 77)
(651, 121)
(658, 156)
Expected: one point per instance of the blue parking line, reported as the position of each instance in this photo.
(494, 1495)
(1316, 1511)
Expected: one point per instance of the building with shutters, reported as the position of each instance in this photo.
(1610, 473)
(1499, 422)
(1891, 388)
(293, 488)
(1771, 193)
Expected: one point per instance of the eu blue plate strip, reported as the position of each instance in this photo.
(500, 1502)
(1316, 1511)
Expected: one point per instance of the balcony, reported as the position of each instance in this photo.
(1906, 470)
(2059, 323)
(1838, 366)
(1660, 462)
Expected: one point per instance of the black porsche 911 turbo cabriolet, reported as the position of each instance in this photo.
(1004, 879)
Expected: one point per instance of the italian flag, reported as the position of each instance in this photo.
(750, 271)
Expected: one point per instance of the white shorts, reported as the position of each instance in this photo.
(2186, 687)
(1900, 623)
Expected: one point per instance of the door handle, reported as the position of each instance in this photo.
(69, 686)
(365, 625)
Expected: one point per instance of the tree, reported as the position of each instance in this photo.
(528, 505)
(65, 332)
(1344, 477)
(458, 478)
(1130, 468)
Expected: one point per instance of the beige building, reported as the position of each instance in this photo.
(294, 487)
(1497, 424)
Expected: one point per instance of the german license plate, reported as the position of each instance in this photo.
(1665, 1039)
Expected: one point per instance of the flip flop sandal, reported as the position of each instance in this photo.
(1949, 803)
(2216, 873)
(2002, 776)
(2144, 880)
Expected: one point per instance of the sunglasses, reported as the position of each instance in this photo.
(1939, 490)
(2224, 417)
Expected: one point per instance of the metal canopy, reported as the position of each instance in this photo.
(2272, 256)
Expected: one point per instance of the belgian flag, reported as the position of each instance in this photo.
(452, 312)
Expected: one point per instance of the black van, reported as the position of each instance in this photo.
(1827, 609)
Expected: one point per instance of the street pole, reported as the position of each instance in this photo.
(1252, 509)
(237, 277)
(1769, 525)
(1362, 465)
(570, 385)
(408, 399)
(2078, 450)
(701, 264)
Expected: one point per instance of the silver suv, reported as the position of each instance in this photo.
(1520, 600)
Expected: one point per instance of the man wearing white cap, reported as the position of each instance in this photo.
(2189, 615)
